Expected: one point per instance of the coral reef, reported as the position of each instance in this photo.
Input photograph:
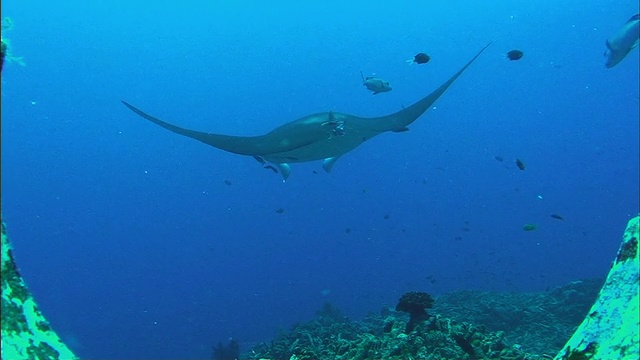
(382, 336)
(231, 351)
(415, 303)
(541, 322)
(485, 325)
(7, 54)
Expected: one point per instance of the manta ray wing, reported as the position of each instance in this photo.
(324, 136)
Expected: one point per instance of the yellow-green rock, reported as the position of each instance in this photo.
(611, 328)
(26, 334)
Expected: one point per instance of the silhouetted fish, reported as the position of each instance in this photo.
(464, 344)
(420, 58)
(520, 164)
(515, 55)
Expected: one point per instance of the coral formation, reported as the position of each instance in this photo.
(415, 303)
(382, 336)
(514, 326)
(7, 25)
(231, 351)
(2, 53)
(540, 321)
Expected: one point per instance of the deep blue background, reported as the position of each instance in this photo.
(134, 245)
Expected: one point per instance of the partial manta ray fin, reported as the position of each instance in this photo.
(285, 170)
(328, 163)
(256, 146)
(176, 129)
(409, 114)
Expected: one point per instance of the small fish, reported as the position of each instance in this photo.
(520, 164)
(280, 211)
(419, 58)
(556, 216)
(499, 158)
(227, 181)
(625, 40)
(515, 55)
(386, 217)
(375, 84)
(529, 227)
(464, 344)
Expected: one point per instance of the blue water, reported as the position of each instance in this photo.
(136, 247)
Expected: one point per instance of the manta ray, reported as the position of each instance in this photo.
(325, 136)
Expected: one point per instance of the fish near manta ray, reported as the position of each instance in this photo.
(622, 42)
(325, 136)
(375, 84)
